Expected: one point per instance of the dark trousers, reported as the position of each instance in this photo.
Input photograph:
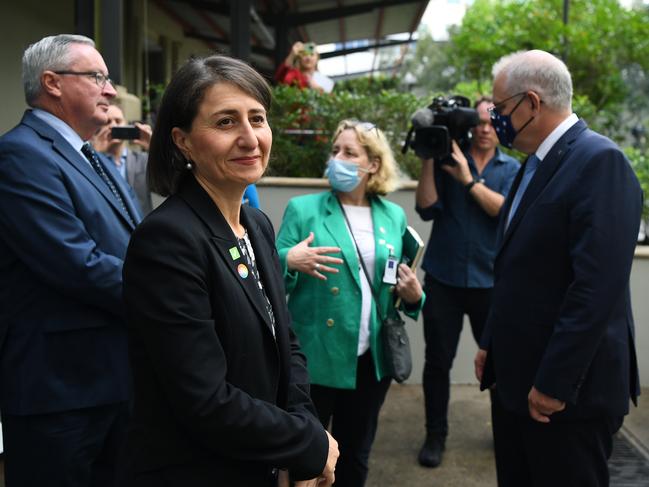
(354, 417)
(554, 454)
(77, 448)
(444, 312)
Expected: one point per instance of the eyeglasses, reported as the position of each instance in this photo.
(494, 110)
(366, 126)
(100, 78)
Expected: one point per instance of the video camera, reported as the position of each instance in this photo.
(435, 126)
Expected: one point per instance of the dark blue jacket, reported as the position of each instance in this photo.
(561, 313)
(63, 237)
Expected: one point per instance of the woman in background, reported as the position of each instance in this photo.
(330, 298)
(299, 66)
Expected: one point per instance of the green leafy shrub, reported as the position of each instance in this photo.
(304, 120)
(640, 163)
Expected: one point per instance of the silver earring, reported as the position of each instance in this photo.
(189, 166)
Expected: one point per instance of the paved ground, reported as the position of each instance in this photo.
(636, 424)
(468, 461)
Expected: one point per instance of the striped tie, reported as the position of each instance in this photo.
(91, 155)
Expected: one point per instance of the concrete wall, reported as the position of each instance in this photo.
(273, 200)
(24, 22)
(21, 24)
(639, 286)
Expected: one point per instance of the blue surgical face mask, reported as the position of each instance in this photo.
(503, 124)
(343, 176)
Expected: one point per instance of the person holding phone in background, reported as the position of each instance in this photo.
(300, 67)
(112, 139)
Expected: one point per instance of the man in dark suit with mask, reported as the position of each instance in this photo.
(559, 341)
(65, 220)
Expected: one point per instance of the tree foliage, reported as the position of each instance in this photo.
(303, 121)
(600, 42)
(430, 65)
(606, 48)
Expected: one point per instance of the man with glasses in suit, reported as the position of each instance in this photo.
(65, 220)
(559, 341)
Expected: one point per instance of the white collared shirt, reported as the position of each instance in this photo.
(555, 135)
(62, 128)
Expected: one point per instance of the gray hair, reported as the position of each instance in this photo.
(538, 71)
(50, 53)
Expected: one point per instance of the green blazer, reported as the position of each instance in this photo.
(326, 314)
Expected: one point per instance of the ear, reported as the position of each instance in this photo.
(535, 101)
(181, 139)
(375, 164)
(51, 83)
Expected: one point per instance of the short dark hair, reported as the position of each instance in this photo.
(179, 107)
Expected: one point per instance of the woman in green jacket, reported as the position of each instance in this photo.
(330, 299)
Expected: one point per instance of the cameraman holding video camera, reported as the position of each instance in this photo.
(463, 194)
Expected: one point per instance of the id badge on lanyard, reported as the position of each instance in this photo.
(390, 272)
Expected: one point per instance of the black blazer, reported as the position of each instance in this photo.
(218, 399)
(561, 311)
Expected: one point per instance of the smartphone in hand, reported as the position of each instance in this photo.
(125, 132)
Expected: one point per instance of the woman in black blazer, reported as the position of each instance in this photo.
(221, 388)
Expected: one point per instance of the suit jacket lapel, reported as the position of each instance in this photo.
(268, 271)
(334, 222)
(272, 278)
(224, 240)
(502, 221)
(122, 187)
(77, 161)
(546, 170)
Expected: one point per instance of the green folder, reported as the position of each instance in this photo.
(412, 248)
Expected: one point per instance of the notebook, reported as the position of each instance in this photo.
(412, 250)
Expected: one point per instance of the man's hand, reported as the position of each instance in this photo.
(312, 260)
(479, 362)
(145, 136)
(541, 406)
(101, 140)
(460, 171)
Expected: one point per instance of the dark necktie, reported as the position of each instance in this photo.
(91, 155)
(531, 165)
